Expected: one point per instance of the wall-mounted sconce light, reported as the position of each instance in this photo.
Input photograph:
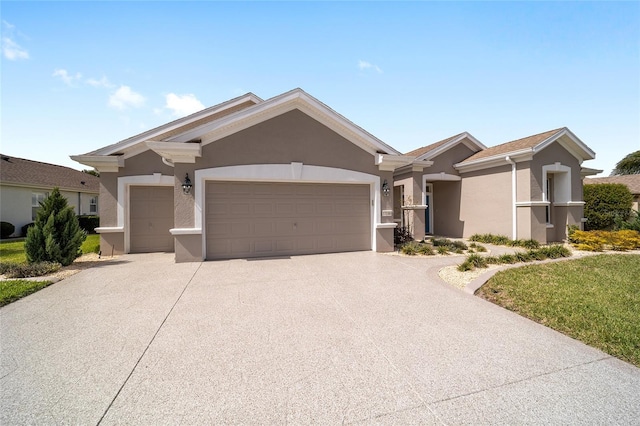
(186, 185)
(385, 188)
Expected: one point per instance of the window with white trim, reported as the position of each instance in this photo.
(36, 199)
(93, 205)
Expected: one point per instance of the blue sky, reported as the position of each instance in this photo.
(77, 76)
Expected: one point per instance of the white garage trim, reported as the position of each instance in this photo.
(122, 214)
(294, 172)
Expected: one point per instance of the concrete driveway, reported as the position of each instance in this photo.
(339, 338)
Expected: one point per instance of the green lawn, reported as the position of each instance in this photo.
(12, 290)
(595, 300)
(13, 250)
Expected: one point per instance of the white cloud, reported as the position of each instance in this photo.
(124, 98)
(10, 49)
(182, 105)
(364, 65)
(103, 82)
(66, 77)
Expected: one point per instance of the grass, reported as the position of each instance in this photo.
(12, 290)
(13, 250)
(595, 300)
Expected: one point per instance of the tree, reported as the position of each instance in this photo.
(629, 165)
(55, 235)
(606, 203)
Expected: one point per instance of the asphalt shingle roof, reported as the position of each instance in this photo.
(632, 181)
(513, 146)
(28, 172)
(420, 151)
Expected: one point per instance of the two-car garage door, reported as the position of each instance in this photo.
(251, 219)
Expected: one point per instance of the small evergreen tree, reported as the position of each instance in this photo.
(56, 235)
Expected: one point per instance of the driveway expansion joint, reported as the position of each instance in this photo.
(148, 345)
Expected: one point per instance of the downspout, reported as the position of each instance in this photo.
(514, 213)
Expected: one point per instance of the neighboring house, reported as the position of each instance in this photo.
(631, 181)
(25, 183)
(288, 175)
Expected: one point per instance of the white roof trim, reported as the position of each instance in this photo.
(295, 99)
(102, 163)
(495, 160)
(442, 176)
(429, 155)
(176, 152)
(386, 162)
(150, 134)
(583, 151)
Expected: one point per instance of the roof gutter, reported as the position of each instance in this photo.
(514, 212)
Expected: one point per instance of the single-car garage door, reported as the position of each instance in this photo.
(151, 217)
(250, 219)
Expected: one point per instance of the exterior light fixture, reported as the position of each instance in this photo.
(385, 188)
(186, 185)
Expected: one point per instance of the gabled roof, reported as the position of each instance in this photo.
(223, 120)
(22, 172)
(430, 151)
(631, 181)
(180, 125)
(524, 149)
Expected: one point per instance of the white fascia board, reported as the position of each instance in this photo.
(463, 138)
(102, 163)
(587, 171)
(390, 163)
(532, 203)
(176, 152)
(441, 177)
(576, 147)
(494, 161)
(295, 99)
(150, 134)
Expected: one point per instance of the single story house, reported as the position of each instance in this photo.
(631, 181)
(289, 175)
(25, 183)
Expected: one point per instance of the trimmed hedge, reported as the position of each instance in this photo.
(606, 203)
(6, 229)
(89, 223)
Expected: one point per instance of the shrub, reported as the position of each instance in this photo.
(6, 229)
(410, 248)
(425, 249)
(632, 223)
(25, 270)
(605, 203)
(502, 240)
(89, 223)
(473, 261)
(401, 235)
(622, 240)
(443, 250)
(56, 235)
(507, 259)
(522, 256)
(25, 228)
(451, 245)
(555, 251)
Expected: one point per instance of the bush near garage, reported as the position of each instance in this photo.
(6, 229)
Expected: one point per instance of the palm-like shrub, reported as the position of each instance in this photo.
(56, 235)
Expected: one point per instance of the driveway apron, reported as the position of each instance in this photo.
(339, 338)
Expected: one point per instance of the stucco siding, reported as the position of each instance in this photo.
(290, 137)
(550, 155)
(445, 161)
(447, 218)
(485, 201)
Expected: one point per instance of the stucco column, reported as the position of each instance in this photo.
(188, 244)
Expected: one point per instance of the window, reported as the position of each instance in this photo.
(549, 192)
(93, 205)
(36, 199)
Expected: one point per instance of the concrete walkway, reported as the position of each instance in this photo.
(339, 338)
